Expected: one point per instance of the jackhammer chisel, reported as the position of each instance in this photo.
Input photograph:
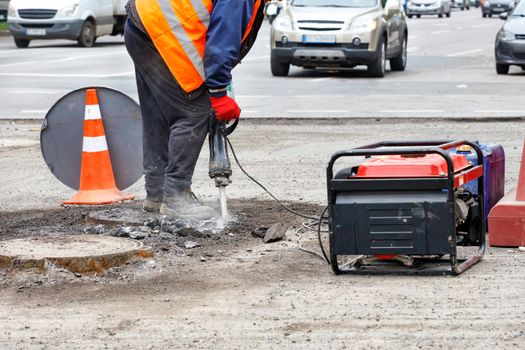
(220, 166)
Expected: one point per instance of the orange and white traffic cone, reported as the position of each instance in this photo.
(97, 183)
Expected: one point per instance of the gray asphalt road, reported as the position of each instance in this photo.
(450, 73)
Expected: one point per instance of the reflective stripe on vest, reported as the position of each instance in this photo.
(178, 30)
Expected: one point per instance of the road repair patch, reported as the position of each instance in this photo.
(75, 253)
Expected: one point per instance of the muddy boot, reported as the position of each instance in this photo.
(185, 205)
(152, 204)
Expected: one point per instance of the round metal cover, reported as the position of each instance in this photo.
(62, 135)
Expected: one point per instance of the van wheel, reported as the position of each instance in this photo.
(279, 69)
(22, 43)
(87, 34)
(377, 69)
(399, 62)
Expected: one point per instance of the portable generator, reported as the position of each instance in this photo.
(406, 208)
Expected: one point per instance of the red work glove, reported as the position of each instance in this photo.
(225, 108)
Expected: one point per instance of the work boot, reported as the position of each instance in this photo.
(185, 205)
(152, 204)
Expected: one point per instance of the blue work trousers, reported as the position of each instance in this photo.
(175, 123)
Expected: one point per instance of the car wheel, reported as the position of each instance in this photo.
(448, 14)
(440, 15)
(502, 68)
(279, 69)
(484, 15)
(490, 15)
(87, 34)
(377, 69)
(22, 43)
(399, 62)
(409, 16)
(418, 16)
(462, 8)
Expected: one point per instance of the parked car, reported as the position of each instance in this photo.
(3, 10)
(475, 3)
(495, 7)
(81, 20)
(339, 33)
(461, 4)
(510, 40)
(429, 7)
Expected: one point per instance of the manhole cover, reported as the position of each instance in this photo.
(76, 253)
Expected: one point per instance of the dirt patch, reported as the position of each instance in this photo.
(187, 244)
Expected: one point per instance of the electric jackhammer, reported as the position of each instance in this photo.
(220, 166)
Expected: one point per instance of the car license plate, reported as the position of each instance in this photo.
(36, 32)
(498, 10)
(318, 39)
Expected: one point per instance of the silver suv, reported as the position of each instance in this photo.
(339, 33)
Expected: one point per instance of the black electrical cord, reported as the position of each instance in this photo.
(318, 220)
(319, 235)
(264, 188)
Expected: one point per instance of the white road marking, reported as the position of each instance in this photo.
(33, 112)
(440, 32)
(412, 111)
(34, 91)
(58, 75)
(256, 58)
(499, 111)
(320, 80)
(253, 96)
(412, 49)
(58, 60)
(318, 111)
(483, 25)
(464, 53)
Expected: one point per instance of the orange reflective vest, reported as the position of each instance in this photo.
(178, 31)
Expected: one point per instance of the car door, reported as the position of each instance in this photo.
(103, 10)
(393, 19)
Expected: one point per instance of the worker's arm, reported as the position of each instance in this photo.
(228, 22)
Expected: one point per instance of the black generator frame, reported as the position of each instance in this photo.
(457, 266)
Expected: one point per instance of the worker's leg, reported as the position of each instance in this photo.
(155, 137)
(184, 116)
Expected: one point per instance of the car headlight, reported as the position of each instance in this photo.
(506, 35)
(282, 24)
(70, 10)
(363, 25)
(11, 11)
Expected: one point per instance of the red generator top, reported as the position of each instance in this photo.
(427, 165)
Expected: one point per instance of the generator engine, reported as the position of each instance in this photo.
(406, 205)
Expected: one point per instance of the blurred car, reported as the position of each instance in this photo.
(81, 20)
(495, 7)
(510, 40)
(461, 4)
(4, 4)
(339, 33)
(428, 7)
(475, 3)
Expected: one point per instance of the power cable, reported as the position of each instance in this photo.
(318, 220)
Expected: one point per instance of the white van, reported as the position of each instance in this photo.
(81, 20)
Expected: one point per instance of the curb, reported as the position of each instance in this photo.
(4, 33)
(389, 120)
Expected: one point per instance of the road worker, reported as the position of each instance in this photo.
(184, 52)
